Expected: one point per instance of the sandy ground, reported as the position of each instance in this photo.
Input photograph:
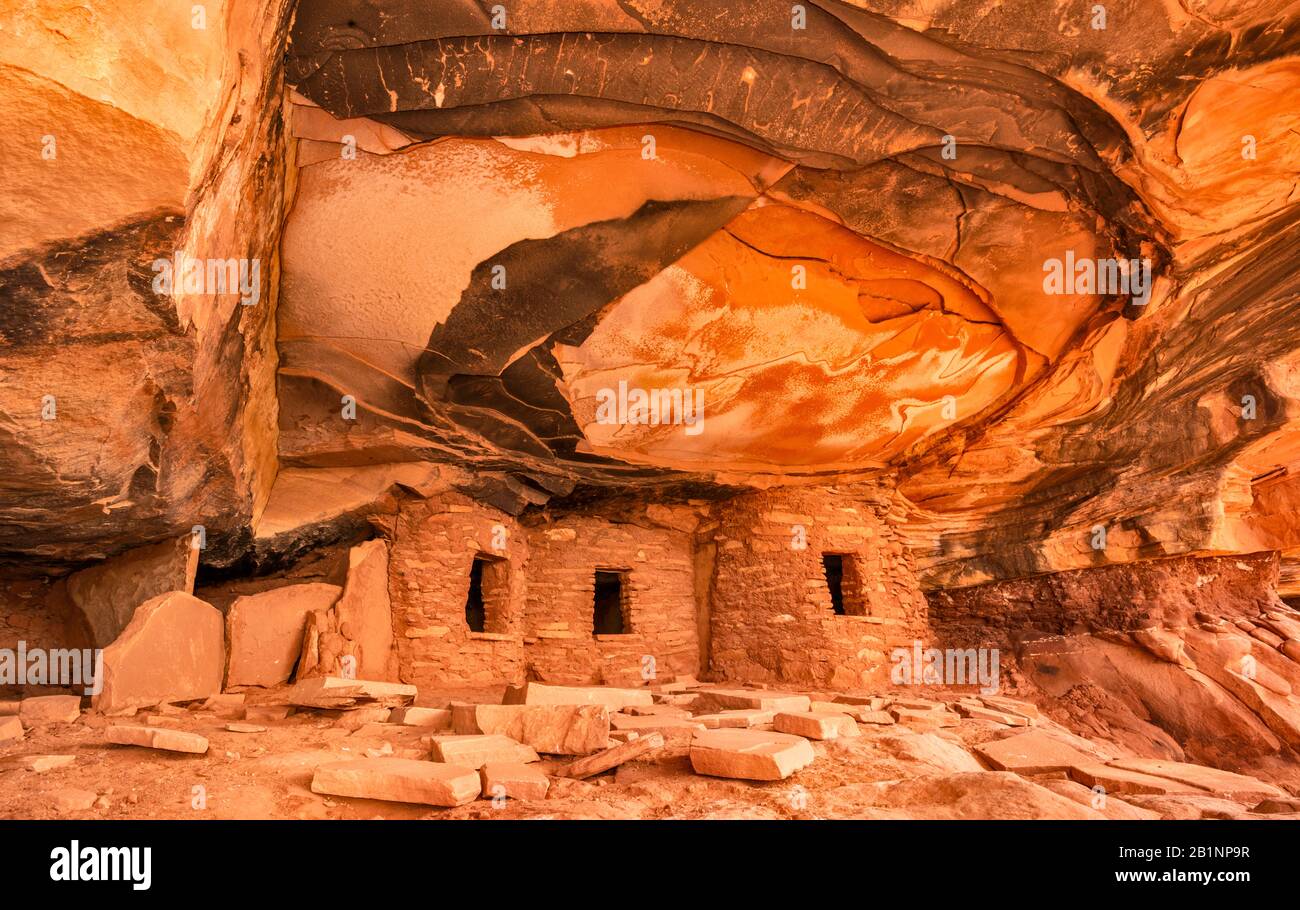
(888, 772)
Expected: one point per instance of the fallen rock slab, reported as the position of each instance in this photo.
(107, 595)
(612, 757)
(741, 719)
(1032, 753)
(399, 780)
(1279, 806)
(513, 780)
(812, 725)
(760, 700)
(1189, 807)
(430, 718)
(50, 709)
(157, 738)
(613, 699)
(1117, 780)
(476, 751)
(245, 728)
(42, 763)
(1011, 706)
(555, 729)
(337, 692)
(265, 631)
(1238, 787)
(870, 702)
(749, 754)
(173, 649)
(923, 719)
(983, 712)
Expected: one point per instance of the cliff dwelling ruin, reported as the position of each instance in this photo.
(642, 409)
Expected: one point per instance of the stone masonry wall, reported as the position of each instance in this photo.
(772, 615)
(433, 548)
(564, 555)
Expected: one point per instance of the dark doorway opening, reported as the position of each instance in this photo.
(475, 608)
(833, 566)
(609, 614)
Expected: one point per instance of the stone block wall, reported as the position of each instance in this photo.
(772, 615)
(659, 598)
(434, 543)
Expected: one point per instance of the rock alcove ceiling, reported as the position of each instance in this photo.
(584, 375)
(829, 220)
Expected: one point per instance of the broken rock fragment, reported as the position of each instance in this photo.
(612, 757)
(157, 738)
(476, 751)
(336, 692)
(400, 780)
(555, 729)
(50, 709)
(432, 718)
(513, 780)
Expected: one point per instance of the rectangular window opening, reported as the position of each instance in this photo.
(833, 566)
(609, 603)
(845, 583)
(485, 602)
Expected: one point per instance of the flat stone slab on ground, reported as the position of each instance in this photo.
(1238, 787)
(513, 781)
(814, 725)
(757, 699)
(554, 729)
(400, 780)
(983, 712)
(337, 692)
(157, 738)
(923, 719)
(50, 709)
(432, 718)
(42, 763)
(1118, 780)
(476, 751)
(245, 728)
(870, 702)
(1011, 705)
(749, 754)
(741, 719)
(532, 693)
(1032, 753)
